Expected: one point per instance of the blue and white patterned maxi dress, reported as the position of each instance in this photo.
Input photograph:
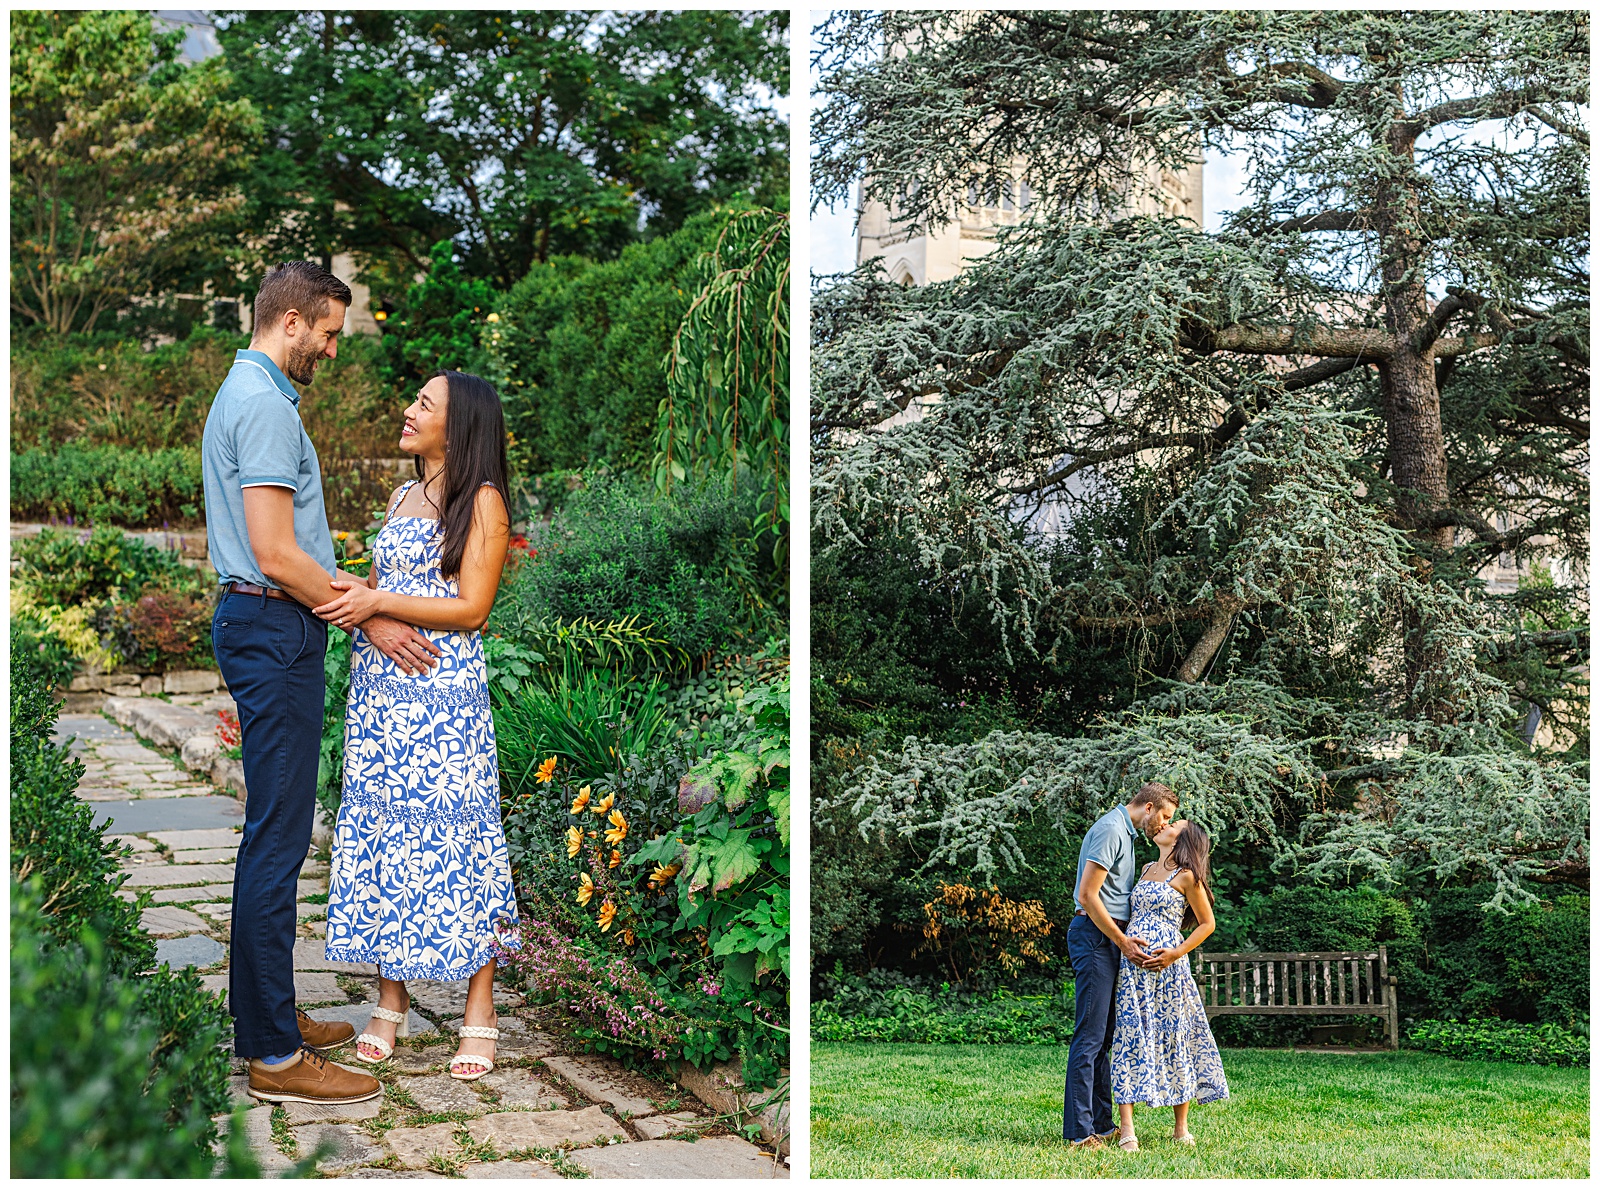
(420, 873)
(1162, 1050)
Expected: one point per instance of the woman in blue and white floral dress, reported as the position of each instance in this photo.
(420, 877)
(1162, 1050)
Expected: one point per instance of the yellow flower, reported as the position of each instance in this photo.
(546, 772)
(604, 806)
(608, 913)
(585, 888)
(619, 827)
(616, 858)
(494, 318)
(574, 841)
(660, 876)
(580, 800)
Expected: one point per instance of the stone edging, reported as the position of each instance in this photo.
(191, 732)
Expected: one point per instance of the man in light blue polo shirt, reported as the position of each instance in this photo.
(1096, 944)
(269, 540)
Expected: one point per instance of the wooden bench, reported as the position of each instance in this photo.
(1336, 983)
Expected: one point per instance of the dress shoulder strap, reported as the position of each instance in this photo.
(1175, 871)
(394, 500)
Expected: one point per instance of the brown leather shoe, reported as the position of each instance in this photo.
(310, 1077)
(1092, 1144)
(320, 1035)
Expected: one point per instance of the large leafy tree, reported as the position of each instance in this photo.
(125, 166)
(1272, 460)
(520, 134)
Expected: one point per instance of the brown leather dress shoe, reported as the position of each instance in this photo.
(320, 1035)
(310, 1077)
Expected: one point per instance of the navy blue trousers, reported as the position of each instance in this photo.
(271, 653)
(1095, 964)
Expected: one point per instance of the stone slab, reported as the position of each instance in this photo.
(317, 928)
(214, 983)
(160, 722)
(187, 895)
(177, 813)
(348, 1147)
(357, 1015)
(195, 950)
(217, 910)
(191, 681)
(413, 1145)
(596, 1078)
(258, 1131)
(510, 1130)
(167, 921)
(438, 1093)
(318, 986)
(215, 854)
(389, 1174)
(173, 874)
(176, 840)
(409, 1060)
(200, 752)
(312, 954)
(333, 1112)
(662, 1126)
(450, 999)
(720, 1158)
(511, 1170)
(721, 1088)
(86, 726)
(518, 1087)
(139, 845)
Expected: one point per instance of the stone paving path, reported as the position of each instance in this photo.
(544, 1112)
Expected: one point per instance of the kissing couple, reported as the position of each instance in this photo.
(420, 877)
(1140, 1033)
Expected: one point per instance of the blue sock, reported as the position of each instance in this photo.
(276, 1060)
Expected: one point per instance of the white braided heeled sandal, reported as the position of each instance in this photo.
(385, 1049)
(460, 1059)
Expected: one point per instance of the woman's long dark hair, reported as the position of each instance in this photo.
(1192, 850)
(474, 454)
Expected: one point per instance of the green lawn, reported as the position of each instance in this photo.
(893, 1110)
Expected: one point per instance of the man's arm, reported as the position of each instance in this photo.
(269, 520)
(1088, 894)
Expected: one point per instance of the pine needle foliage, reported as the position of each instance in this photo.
(1270, 462)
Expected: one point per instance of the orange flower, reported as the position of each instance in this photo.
(546, 772)
(574, 841)
(616, 857)
(627, 936)
(608, 913)
(604, 806)
(580, 800)
(619, 827)
(660, 876)
(585, 888)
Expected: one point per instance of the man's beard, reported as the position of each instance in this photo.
(301, 366)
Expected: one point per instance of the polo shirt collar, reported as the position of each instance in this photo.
(264, 361)
(1126, 820)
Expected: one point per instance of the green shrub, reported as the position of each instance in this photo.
(335, 698)
(681, 564)
(107, 484)
(55, 842)
(1500, 1040)
(886, 1006)
(111, 1075)
(438, 323)
(579, 348)
(36, 652)
(63, 568)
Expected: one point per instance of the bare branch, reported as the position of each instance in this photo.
(1324, 221)
(1551, 120)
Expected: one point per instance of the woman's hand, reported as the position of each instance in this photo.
(354, 607)
(1161, 959)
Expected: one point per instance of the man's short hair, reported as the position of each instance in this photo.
(298, 285)
(1155, 793)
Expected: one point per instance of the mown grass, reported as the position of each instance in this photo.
(895, 1111)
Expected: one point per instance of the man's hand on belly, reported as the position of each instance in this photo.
(402, 644)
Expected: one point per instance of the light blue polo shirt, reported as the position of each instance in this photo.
(254, 438)
(1109, 843)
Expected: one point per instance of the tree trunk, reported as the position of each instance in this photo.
(1408, 381)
